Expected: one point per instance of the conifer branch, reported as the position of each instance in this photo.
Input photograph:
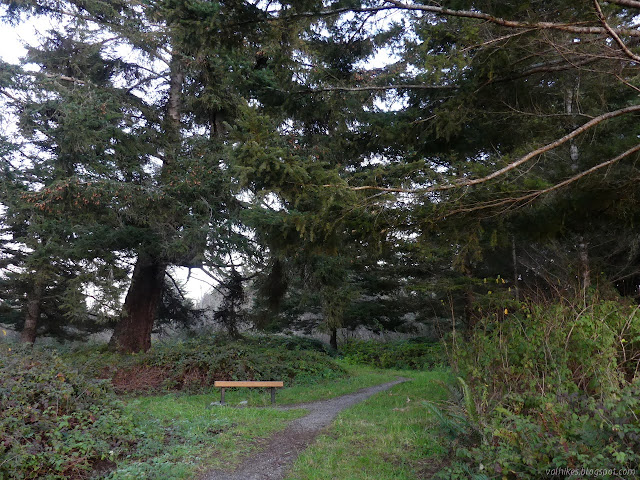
(175, 284)
(533, 195)
(625, 3)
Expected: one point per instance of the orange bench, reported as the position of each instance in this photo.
(251, 384)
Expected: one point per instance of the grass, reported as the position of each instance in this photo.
(388, 437)
(181, 435)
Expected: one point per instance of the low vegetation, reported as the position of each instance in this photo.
(547, 388)
(542, 389)
(56, 423)
(413, 354)
(61, 417)
(193, 365)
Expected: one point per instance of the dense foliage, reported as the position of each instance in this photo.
(553, 387)
(55, 422)
(193, 365)
(414, 354)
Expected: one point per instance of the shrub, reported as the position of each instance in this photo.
(54, 422)
(416, 354)
(555, 349)
(569, 432)
(551, 387)
(193, 365)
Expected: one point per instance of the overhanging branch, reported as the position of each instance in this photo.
(511, 166)
(564, 27)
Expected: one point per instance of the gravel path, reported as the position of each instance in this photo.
(280, 451)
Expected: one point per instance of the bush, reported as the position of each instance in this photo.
(415, 354)
(54, 422)
(570, 432)
(552, 387)
(193, 365)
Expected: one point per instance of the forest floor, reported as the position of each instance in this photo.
(280, 450)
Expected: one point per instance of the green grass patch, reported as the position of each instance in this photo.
(391, 436)
(358, 377)
(181, 435)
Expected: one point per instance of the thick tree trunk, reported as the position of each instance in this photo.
(34, 303)
(133, 331)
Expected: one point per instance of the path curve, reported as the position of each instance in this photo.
(281, 450)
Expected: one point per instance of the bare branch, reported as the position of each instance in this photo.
(511, 166)
(175, 284)
(533, 195)
(625, 3)
(613, 34)
(382, 87)
(539, 151)
(564, 27)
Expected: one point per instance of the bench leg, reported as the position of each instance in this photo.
(222, 396)
(273, 396)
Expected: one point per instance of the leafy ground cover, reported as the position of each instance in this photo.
(193, 365)
(54, 422)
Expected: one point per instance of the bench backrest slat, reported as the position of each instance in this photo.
(229, 384)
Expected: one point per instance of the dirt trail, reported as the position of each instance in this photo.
(272, 462)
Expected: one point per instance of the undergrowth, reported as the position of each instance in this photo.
(56, 423)
(193, 365)
(414, 354)
(553, 387)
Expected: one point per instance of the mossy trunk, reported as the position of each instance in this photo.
(133, 331)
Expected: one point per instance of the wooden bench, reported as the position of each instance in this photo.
(250, 384)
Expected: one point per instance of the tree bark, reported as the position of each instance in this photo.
(34, 305)
(516, 275)
(333, 341)
(585, 269)
(133, 331)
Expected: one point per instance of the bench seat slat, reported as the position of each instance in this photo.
(229, 384)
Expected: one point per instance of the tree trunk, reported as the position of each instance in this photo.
(333, 341)
(34, 303)
(133, 331)
(516, 275)
(585, 269)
